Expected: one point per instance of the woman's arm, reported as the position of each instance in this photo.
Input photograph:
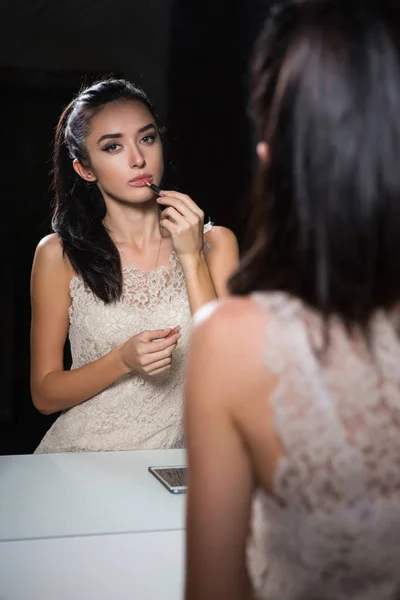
(222, 257)
(52, 388)
(206, 275)
(223, 376)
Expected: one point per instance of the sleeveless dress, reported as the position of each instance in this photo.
(331, 529)
(137, 412)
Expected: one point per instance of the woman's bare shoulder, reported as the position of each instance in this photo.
(50, 254)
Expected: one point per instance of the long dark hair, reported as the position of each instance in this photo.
(326, 206)
(79, 206)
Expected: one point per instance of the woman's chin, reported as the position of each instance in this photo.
(142, 199)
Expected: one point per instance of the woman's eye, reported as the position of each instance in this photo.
(111, 148)
(149, 139)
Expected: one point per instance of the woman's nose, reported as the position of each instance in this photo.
(137, 159)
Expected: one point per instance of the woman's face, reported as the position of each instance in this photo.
(125, 152)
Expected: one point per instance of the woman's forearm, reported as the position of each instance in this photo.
(59, 390)
(199, 284)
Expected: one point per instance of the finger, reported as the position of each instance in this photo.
(148, 360)
(159, 371)
(187, 207)
(177, 204)
(173, 331)
(173, 215)
(156, 334)
(161, 364)
(169, 226)
(162, 345)
(183, 198)
(162, 355)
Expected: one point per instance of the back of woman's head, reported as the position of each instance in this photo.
(79, 205)
(326, 99)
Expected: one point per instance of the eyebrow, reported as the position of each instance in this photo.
(146, 128)
(109, 136)
(113, 136)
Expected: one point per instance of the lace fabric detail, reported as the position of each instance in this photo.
(207, 227)
(332, 528)
(147, 289)
(136, 412)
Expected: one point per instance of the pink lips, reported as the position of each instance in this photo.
(141, 181)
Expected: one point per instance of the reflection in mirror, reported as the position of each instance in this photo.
(158, 48)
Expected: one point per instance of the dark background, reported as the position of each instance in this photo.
(191, 57)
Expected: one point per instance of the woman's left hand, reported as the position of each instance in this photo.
(184, 220)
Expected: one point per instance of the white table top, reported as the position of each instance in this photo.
(62, 495)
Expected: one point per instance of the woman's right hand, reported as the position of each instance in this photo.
(150, 352)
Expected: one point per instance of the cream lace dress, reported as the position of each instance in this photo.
(137, 412)
(331, 530)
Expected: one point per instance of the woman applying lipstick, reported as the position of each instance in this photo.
(120, 278)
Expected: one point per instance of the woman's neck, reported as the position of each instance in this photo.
(137, 225)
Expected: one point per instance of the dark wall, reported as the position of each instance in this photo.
(207, 79)
(211, 136)
(102, 36)
(32, 100)
(189, 60)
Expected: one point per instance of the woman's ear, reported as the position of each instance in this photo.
(263, 151)
(84, 172)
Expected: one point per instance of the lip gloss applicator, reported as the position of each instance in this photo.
(154, 188)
